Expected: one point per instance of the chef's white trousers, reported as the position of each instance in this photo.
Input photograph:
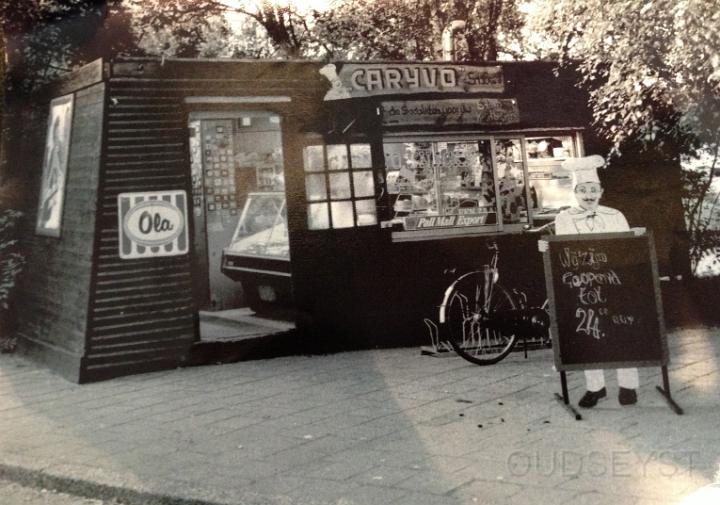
(627, 378)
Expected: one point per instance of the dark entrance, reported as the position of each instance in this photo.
(241, 236)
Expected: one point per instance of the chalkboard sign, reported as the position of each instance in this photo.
(605, 305)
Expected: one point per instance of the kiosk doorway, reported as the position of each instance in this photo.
(240, 238)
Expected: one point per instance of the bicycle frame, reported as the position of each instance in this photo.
(491, 274)
(479, 318)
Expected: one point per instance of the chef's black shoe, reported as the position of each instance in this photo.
(627, 396)
(590, 398)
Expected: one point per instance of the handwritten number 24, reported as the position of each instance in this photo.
(589, 322)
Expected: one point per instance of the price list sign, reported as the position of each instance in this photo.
(606, 310)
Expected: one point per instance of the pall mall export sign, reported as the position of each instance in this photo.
(353, 80)
(152, 224)
(412, 223)
(480, 111)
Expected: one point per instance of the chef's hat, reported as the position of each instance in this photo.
(584, 169)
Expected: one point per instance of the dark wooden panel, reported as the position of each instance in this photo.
(169, 332)
(141, 351)
(143, 313)
(55, 287)
(139, 326)
(83, 77)
(119, 368)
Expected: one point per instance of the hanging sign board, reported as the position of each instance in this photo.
(356, 80)
(605, 305)
(152, 224)
(480, 111)
(448, 221)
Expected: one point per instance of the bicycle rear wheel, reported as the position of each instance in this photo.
(473, 308)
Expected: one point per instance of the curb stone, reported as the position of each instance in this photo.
(40, 479)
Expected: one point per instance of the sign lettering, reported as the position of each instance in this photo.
(449, 221)
(352, 80)
(604, 298)
(480, 111)
(152, 224)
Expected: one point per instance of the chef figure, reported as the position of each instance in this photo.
(591, 217)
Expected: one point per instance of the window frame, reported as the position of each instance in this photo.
(349, 170)
(500, 227)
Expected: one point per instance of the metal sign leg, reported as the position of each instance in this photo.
(565, 398)
(665, 391)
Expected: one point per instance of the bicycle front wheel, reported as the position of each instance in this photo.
(473, 308)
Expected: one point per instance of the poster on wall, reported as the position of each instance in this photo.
(57, 150)
(152, 224)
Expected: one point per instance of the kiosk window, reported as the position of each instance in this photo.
(339, 186)
(550, 185)
(442, 184)
(509, 168)
(492, 183)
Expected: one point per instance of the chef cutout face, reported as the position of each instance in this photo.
(588, 195)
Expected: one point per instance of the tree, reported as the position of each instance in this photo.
(45, 39)
(286, 27)
(412, 29)
(653, 71)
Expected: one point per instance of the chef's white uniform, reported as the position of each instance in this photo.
(602, 220)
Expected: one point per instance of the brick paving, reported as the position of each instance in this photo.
(369, 427)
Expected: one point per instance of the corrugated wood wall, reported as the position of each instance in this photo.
(56, 284)
(142, 314)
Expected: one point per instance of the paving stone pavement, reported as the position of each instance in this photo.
(368, 427)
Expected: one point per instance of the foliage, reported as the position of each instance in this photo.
(702, 214)
(412, 29)
(45, 39)
(276, 29)
(11, 261)
(178, 28)
(11, 264)
(653, 72)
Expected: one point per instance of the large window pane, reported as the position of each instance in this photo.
(511, 180)
(550, 147)
(550, 185)
(411, 176)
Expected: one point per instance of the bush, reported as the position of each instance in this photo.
(11, 264)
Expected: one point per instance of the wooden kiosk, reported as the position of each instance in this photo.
(337, 195)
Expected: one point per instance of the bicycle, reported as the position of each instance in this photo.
(482, 320)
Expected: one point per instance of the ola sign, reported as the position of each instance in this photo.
(152, 224)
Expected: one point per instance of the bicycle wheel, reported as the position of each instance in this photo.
(472, 313)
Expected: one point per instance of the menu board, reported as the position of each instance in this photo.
(605, 305)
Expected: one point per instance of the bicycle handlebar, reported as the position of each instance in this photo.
(546, 228)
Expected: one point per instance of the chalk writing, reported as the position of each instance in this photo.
(605, 303)
(582, 258)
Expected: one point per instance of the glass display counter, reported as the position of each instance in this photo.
(262, 228)
(259, 253)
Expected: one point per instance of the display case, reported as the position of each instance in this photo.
(262, 228)
(259, 253)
